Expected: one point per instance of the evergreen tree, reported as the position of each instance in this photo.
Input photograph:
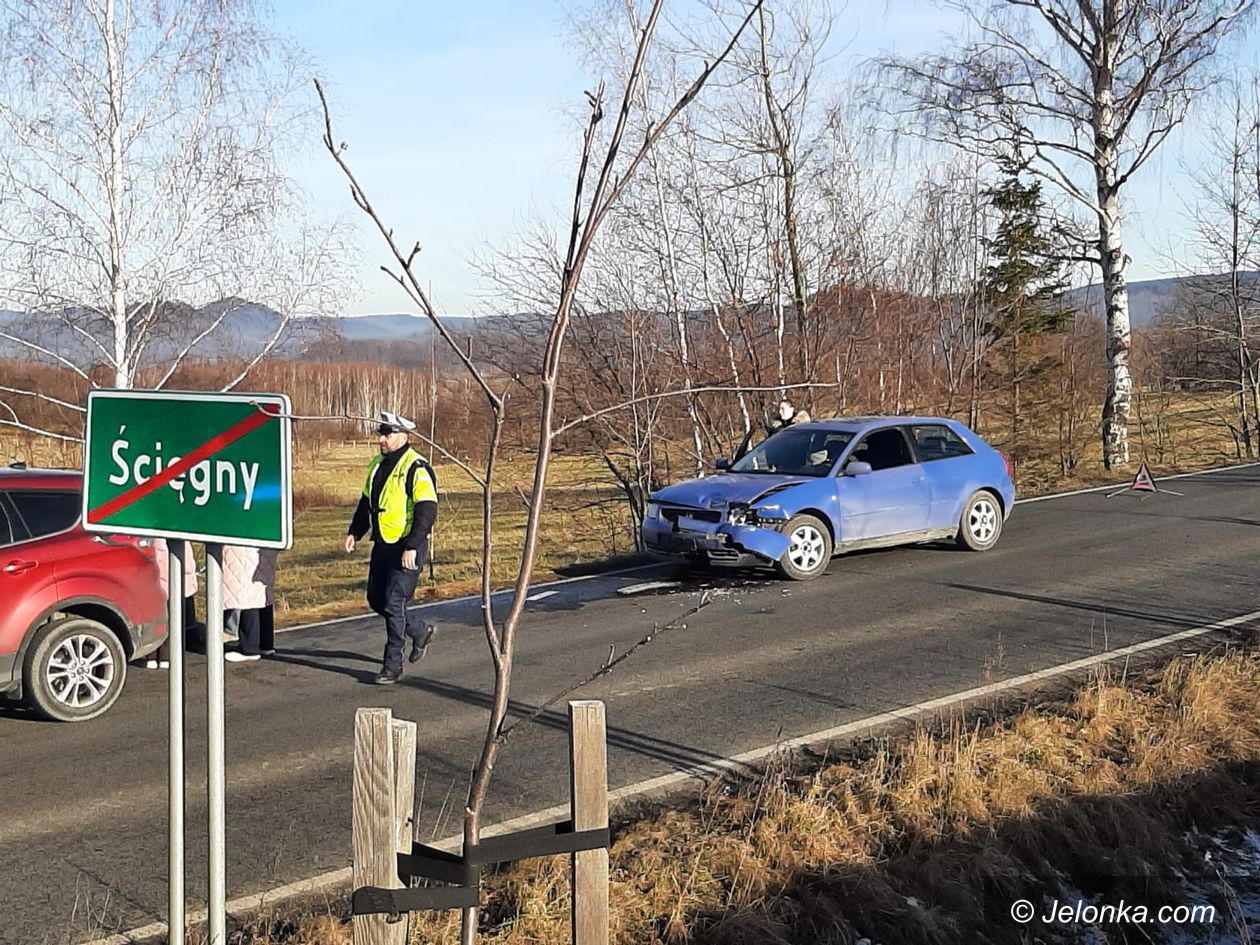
(1025, 276)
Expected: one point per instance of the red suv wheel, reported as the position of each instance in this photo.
(75, 670)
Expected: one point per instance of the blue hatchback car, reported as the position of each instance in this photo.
(813, 490)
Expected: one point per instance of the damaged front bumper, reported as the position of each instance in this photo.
(720, 542)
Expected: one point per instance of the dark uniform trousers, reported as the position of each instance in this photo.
(390, 588)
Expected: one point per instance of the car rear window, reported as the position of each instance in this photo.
(933, 441)
(7, 533)
(46, 511)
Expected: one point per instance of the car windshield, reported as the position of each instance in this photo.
(796, 451)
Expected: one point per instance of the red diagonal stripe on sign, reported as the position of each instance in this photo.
(174, 471)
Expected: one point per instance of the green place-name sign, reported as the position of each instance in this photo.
(202, 467)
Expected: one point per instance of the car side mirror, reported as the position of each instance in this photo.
(857, 468)
(721, 463)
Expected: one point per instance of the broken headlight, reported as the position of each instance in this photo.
(741, 515)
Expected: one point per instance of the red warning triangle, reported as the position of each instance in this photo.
(1143, 482)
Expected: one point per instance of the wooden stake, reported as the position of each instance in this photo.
(375, 822)
(588, 760)
(405, 781)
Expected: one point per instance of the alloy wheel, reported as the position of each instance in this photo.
(982, 521)
(80, 671)
(808, 549)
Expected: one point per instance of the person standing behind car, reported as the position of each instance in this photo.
(788, 416)
(399, 507)
(194, 630)
(249, 580)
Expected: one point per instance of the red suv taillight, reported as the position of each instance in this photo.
(1010, 470)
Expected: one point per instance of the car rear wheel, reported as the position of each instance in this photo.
(75, 670)
(981, 522)
(810, 550)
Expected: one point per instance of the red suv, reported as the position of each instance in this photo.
(74, 607)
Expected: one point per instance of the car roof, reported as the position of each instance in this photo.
(15, 477)
(855, 424)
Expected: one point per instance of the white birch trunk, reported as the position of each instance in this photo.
(114, 189)
(680, 317)
(1115, 415)
(777, 308)
(732, 363)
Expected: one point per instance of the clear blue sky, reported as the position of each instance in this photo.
(455, 116)
(453, 112)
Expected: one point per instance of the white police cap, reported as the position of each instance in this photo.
(396, 423)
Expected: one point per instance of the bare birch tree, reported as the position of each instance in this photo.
(592, 203)
(786, 81)
(1226, 222)
(1089, 89)
(947, 245)
(866, 248)
(141, 142)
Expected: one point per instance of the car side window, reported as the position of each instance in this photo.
(8, 534)
(937, 441)
(883, 449)
(45, 511)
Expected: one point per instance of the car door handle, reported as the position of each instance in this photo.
(17, 567)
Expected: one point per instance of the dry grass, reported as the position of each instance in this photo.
(317, 580)
(1171, 434)
(926, 839)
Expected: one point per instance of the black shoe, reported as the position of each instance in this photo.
(387, 676)
(420, 645)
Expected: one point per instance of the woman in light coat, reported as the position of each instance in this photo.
(194, 630)
(249, 580)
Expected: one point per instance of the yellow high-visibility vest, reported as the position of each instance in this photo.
(394, 513)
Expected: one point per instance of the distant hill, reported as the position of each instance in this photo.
(404, 339)
(244, 330)
(1150, 298)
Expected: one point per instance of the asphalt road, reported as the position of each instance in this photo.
(83, 807)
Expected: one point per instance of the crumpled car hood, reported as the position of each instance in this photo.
(717, 492)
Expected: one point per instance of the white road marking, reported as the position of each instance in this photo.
(468, 597)
(648, 586)
(325, 882)
(645, 567)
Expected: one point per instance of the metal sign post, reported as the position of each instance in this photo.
(214, 751)
(175, 739)
(189, 466)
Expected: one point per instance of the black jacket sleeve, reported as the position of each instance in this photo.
(423, 515)
(422, 519)
(362, 521)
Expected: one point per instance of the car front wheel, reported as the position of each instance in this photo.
(981, 522)
(810, 550)
(74, 670)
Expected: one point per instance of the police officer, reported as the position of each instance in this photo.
(399, 507)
